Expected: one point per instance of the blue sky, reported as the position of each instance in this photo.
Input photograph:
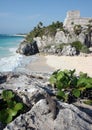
(20, 16)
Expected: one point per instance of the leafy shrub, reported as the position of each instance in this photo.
(77, 44)
(9, 107)
(41, 30)
(71, 87)
(84, 49)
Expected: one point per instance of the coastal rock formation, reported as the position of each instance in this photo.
(27, 48)
(69, 51)
(45, 111)
(73, 29)
(59, 38)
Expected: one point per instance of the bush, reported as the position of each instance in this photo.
(78, 45)
(9, 107)
(84, 49)
(70, 87)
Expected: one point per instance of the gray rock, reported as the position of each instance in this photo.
(35, 92)
(26, 48)
(39, 118)
(69, 51)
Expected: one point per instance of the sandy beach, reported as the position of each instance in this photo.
(80, 63)
(50, 63)
(40, 65)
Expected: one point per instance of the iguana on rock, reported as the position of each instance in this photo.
(54, 106)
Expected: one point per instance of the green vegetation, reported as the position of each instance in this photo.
(41, 30)
(9, 107)
(70, 87)
(88, 102)
(77, 44)
(77, 29)
(84, 49)
(80, 47)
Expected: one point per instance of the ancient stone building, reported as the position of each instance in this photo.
(74, 18)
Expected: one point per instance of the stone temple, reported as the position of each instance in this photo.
(74, 18)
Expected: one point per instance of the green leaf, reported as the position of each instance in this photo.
(8, 119)
(83, 75)
(59, 85)
(76, 93)
(6, 95)
(60, 76)
(52, 79)
(60, 94)
(18, 106)
(5, 117)
(11, 112)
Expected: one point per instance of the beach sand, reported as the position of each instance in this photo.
(80, 63)
(50, 63)
(40, 65)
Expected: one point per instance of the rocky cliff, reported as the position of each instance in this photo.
(74, 29)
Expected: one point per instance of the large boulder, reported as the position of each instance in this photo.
(27, 48)
(69, 51)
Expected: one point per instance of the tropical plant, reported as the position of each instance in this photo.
(77, 44)
(9, 107)
(85, 49)
(70, 87)
(77, 29)
(41, 30)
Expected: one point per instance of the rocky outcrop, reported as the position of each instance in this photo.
(60, 37)
(45, 111)
(27, 48)
(69, 51)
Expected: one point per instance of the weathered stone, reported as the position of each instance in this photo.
(26, 48)
(45, 111)
(69, 51)
(73, 18)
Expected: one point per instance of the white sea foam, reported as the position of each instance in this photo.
(15, 62)
(10, 63)
(13, 50)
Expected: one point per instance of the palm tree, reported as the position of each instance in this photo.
(40, 25)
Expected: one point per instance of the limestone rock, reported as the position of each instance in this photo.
(26, 48)
(39, 118)
(69, 51)
(34, 89)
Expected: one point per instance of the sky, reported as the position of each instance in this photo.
(21, 16)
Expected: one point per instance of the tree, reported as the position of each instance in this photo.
(40, 25)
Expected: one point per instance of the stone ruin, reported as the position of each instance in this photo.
(74, 18)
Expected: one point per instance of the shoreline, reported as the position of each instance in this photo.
(50, 63)
(39, 65)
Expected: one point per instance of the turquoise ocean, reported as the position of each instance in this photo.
(9, 59)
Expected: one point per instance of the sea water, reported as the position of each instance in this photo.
(9, 59)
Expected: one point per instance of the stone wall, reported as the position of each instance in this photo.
(73, 18)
